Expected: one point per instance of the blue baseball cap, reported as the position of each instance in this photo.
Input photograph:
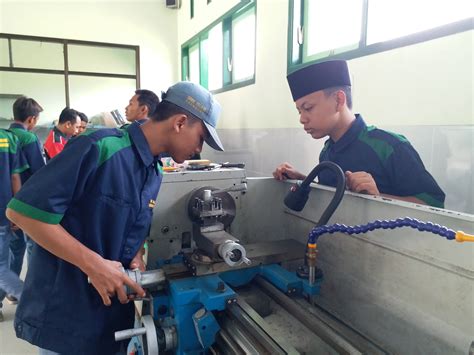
(198, 101)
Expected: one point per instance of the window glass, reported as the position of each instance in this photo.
(46, 89)
(194, 72)
(297, 34)
(321, 34)
(215, 57)
(385, 17)
(37, 54)
(93, 95)
(243, 46)
(4, 56)
(101, 59)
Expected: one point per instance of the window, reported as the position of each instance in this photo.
(89, 76)
(323, 29)
(222, 57)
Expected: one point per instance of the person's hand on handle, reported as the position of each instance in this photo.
(109, 280)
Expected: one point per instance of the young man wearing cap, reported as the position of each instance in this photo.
(375, 161)
(98, 221)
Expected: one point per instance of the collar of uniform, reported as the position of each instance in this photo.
(352, 133)
(17, 125)
(56, 130)
(139, 141)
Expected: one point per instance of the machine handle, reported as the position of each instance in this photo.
(129, 333)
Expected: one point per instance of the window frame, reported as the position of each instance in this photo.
(66, 72)
(363, 49)
(235, 12)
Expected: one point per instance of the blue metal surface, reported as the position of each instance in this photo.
(187, 297)
(188, 303)
(206, 327)
(236, 278)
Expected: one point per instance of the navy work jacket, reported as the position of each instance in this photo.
(391, 160)
(101, 189)
(12, 161)
(31, 148)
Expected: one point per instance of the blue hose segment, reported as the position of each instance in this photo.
(447, 233)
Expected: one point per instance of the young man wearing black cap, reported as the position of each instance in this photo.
(375, 161)
(98, 221)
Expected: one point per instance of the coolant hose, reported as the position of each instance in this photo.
(447, 233)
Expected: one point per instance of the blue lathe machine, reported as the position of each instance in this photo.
(232, 270)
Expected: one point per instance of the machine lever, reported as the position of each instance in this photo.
(129, 333)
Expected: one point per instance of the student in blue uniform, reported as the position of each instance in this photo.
(375, 161)
(12, 164)
(90, 210)
(26, 113)
(141, 105)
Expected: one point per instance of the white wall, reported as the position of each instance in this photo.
(424, 91)
(430, 83)
(146, 23)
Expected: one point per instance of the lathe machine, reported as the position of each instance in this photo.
(231, 271)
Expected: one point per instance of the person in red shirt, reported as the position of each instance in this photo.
(68, 126)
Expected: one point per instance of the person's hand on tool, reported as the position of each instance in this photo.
(137, 261)
(108, 279)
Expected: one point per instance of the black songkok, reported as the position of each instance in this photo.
(317, 77)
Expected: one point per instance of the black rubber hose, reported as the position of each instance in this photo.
(298, 194)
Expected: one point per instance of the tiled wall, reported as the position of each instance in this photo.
(447, 152)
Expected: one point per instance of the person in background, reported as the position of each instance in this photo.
(96, 222)
(26, 113)
(375, 161)
(141, 106)
(12, 163)
(68, 125)
(84, 122)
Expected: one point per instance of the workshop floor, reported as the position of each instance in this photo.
(9, 343)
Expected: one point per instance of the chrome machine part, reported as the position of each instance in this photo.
(212, 211)
(349, 343)
(146, 279)
(170, 337)
(244, 331)
(152, 338)
(233, 253)
(148, 333)
(201, 210)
